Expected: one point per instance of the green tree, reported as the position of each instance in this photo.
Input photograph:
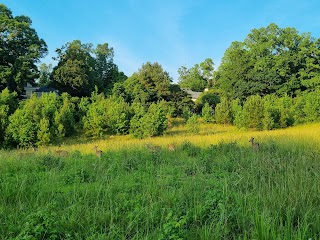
(232, 72)
(8, 104)
(207, 113)
(271, 113)
(75, 72)
(237, 116)
(117, 115)
(22, 129)
(43, 133)
(45, 72)
(152, 123)
(299, 115)
(94, 122)
(312, 106)
(193, 124)
(178, 100)
(64, 117)
(270, 60)
(20, 51)
(108, 72)
(40, 120)
(207, 67)
(211, 97)
(198, 77)
(150, 84)
(253, 112)
(285, 106)
(223, 112)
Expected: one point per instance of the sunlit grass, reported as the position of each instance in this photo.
(213, 186)
(209, 134)
(304, 135)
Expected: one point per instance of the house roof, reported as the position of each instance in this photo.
(45, 89)
(194, 95)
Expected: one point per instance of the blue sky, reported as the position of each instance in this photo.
(170, 32)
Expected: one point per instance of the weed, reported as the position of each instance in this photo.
(50, 162)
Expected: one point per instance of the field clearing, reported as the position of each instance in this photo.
(303, 135)
(209, 134)
(213, 186)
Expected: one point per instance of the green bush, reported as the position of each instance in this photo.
(193, 124)
(117, 115)
(210, 97)
(64, 117)
(271, 113)
(237, 116)
(207, 113)
(8, 104)
(223, 112)
(152, 123)
(40, 120)
(285, 107)
(312, 106)
(43, 134)
(253, 112)
(94, 121)
(22, 129)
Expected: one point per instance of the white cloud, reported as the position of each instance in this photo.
(126, 60)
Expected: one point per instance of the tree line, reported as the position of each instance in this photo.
(131, 108)
(270, 80)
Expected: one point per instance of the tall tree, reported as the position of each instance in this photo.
(107, 70)
(75, 72)
(45, 72)
(207, 67)
(81, 68)
(198, 77)
(150, 84)
(20, 51)
(270, 60)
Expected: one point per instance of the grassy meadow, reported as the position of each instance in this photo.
(212, 186)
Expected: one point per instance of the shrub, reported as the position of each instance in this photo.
(253, 112)
(223, 112)
(22, 129)
(271, 114)
(210, 97)
(43, 134)
(42, 224)
(8, 104)
(151, 124)
(64, 117)
(207, 113)
(186, 113)
(299, 115)
(312, 106)
(117, 115)
(94, 122)
(193, 124)
(286, 116)
(237, 115)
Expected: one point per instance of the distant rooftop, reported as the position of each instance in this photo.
(29, 90)
(194, 95)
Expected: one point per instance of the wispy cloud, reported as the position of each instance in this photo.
(127, 61)
(169, 36)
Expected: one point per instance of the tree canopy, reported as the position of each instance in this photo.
(81, 68)
(20, 51)
(270, 60)
(198, 77)
(75, 72)
(150, 84)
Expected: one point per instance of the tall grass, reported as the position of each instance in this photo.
(213, 186)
